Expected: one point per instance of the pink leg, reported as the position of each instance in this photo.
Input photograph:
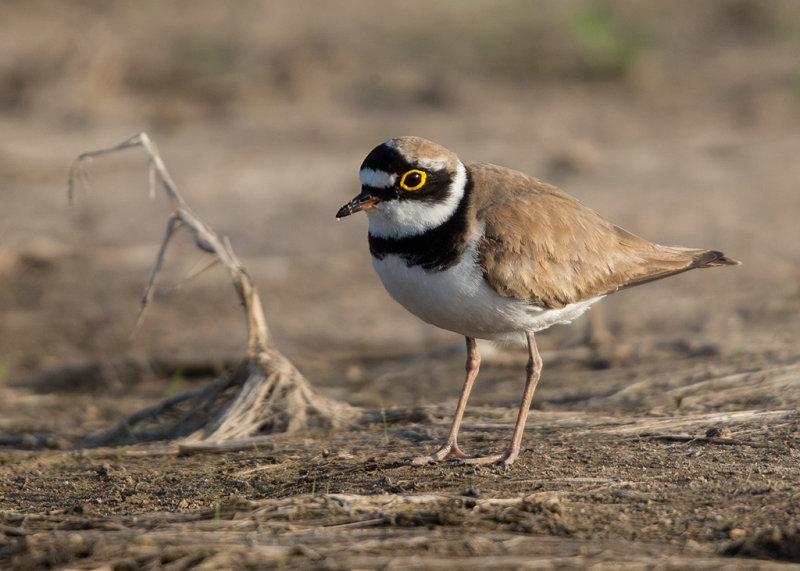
(534, 370)
(450, 447)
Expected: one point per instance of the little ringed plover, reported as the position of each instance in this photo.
(492, 253)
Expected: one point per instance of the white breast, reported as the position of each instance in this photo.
(459, 299)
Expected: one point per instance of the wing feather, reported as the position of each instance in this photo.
(546, 247)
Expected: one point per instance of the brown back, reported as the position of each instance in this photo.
(545, 246)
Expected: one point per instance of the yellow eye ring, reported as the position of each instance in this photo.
(413, 180)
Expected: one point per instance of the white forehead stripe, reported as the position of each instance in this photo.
(432, 163)
(428, 163)
(377, 179)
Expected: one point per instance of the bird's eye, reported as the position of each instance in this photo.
(413, 180)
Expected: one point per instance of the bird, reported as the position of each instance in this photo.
(492, 253)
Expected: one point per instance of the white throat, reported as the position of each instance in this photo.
(402, 218)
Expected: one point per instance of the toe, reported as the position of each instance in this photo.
(480, 460)
(444, 452)
(506, 459)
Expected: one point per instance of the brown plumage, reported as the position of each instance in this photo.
(544, 246)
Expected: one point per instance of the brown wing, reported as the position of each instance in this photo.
(544, 246)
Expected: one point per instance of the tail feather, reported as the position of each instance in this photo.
(711, 258)
(693, 259)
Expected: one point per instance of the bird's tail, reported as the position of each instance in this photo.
(711, 258)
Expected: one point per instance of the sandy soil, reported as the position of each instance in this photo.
(674, 445)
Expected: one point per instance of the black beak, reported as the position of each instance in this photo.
(364, 201)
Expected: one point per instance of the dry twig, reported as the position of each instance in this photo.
(267, 395)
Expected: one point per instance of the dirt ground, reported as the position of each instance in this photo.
(672, 445)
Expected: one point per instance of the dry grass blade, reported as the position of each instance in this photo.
(708, 440)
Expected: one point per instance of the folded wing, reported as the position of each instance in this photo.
(544, 246)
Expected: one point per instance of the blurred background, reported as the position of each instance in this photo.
(680, 121)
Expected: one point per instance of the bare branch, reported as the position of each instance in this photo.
(273, 396)
(148, 290)
(205, 237)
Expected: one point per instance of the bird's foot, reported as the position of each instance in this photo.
(505, 459)
(447, 450)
